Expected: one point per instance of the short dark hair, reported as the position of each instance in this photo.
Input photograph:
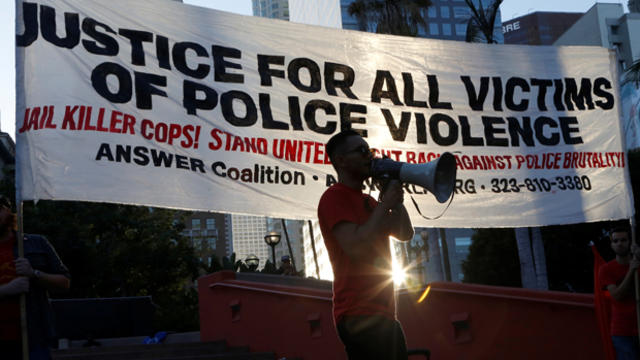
(5, 202)
(616, 229)
(336, 141)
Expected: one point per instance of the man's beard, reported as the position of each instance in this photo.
(623, 252)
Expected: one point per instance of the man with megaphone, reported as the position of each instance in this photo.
(356, 230)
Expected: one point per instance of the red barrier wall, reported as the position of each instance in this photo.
(455, 321)
(293, 321)
(463, 321)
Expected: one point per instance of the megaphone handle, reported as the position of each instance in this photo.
(384, 184)
(434, 218)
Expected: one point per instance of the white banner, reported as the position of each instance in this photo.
(164, 104)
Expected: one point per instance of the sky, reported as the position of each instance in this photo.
(509, 9)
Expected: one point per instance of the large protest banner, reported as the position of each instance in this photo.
(164, 104)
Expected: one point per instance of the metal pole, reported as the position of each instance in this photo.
(636, 278)
(313, 248)
(23, 297)
(273, 253)
(286, 236)
(445, 254)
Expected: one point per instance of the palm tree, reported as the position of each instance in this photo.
(480, 25)
(533, 264)
(397, 17)
(480, 28)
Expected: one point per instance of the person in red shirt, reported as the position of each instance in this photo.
(617, 276)
(356, 230)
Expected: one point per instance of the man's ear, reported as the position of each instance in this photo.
(338, 161)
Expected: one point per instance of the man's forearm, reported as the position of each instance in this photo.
(624, 289)
(53, 282)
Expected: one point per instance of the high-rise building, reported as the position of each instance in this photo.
(538, 28)
(294, 229)
(248, 237)
(446, 20)
(607, 25)
(315, 253)
(274, 9)
(210, 234)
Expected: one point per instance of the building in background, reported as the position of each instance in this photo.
(294, 228)
(608, 26)
(316, 256)
(446, 20)
(210, 234)
(538, 28)
(248, 237)
(274, 9)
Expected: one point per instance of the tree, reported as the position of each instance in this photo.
(396, 17)
(492, 259)
(481, 24)
(634, 6)
(118, 250)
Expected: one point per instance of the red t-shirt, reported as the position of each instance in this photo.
(623, 313)
(9, 307)
(361, 287)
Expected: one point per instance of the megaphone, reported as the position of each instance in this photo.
(437, 176)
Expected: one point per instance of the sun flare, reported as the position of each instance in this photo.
(398, 274)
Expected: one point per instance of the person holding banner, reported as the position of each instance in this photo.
(617, 276)
(39, 271)
(356, 230)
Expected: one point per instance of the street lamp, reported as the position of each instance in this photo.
(252, 262)
(272, 239)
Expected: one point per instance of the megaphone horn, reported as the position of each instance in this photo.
(437, 176)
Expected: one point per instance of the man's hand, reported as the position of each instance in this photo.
(23, 267)
(393, 195)
(16, 286)
(634, 264)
